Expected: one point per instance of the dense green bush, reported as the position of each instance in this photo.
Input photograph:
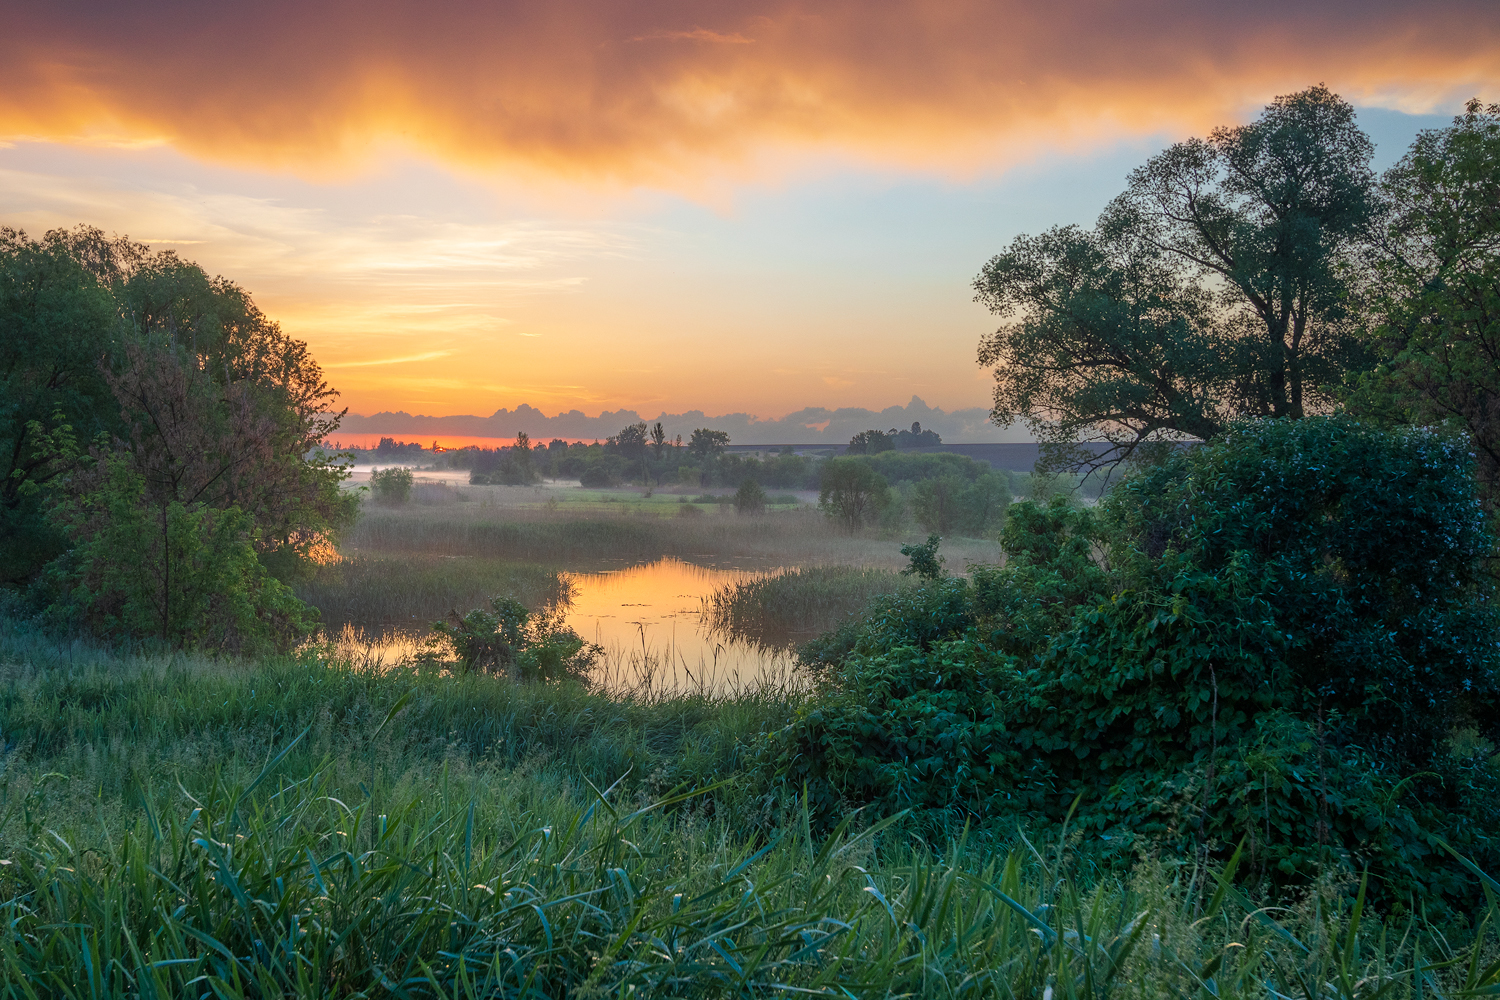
(391, 486)
(750, 498)
(1273, 637)
(529, 645)
(596, 476)
(179, 574)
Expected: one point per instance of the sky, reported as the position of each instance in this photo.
(729, 207)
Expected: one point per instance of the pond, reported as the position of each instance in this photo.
(647, 619)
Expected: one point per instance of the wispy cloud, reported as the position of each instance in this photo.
(696, 35)
(406, 359)
(575, 88)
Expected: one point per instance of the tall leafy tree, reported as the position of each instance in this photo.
(59, 327)
(138, 390)
(1214, 287)
(1437, 288)
(706, 446)
(851, 492)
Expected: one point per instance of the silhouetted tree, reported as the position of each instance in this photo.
(1214, 287)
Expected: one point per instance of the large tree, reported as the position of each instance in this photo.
(1215, 286)
(59, 327)
(1437, 288)
(126, 366)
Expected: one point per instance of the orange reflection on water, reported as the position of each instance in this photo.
(649, 614)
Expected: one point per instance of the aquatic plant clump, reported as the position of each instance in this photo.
(777, 609)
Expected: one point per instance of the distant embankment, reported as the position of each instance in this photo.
(1016, 457)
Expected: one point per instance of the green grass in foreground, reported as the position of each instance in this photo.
(176, 826)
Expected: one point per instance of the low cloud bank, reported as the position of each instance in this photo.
(812, 425)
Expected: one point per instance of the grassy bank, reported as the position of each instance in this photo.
(559, 538)
(177, 826)
(409, 591)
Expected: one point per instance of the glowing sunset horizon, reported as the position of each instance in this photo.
(746, 209)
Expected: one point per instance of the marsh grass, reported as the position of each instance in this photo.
(796, 604)
(412, 589)
(579, 540)
(176, 826)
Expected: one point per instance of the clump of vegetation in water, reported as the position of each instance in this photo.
(773, 609)
(510, 639)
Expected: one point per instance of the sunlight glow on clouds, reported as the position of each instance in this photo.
(752, 206)
(658, 92)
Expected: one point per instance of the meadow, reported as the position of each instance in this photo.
(332, 823)
(172, 825)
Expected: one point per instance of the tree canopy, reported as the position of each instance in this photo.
(1214, 287)
(1435, 282)
(139, 390)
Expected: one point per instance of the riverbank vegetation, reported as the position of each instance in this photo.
(298, 827)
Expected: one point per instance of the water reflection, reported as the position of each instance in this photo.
(647, 619)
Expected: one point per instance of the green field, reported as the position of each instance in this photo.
(179, 826)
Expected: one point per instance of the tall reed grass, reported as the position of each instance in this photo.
(796, 604)
(410, 590)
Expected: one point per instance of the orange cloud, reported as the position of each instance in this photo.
(634, 91)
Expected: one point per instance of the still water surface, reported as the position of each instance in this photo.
(647, 620)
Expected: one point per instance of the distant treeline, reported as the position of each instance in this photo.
(941, 492)
(643, 455)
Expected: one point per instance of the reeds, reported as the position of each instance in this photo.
(577, 540)
(796, 604)
(410, 590)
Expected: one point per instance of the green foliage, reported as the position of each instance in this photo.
(596, 477)
(780, 472)
(1364, 548)
(926, 564)
(1436, 286)
(1215, 287)
(511, 639)
(180, 379)
(851, 492)
(183, 575)
(1269, 636)
(871, 442)
(706, 444)
(391, 486)
(750, 498)
(949, 505)
(57, 322)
